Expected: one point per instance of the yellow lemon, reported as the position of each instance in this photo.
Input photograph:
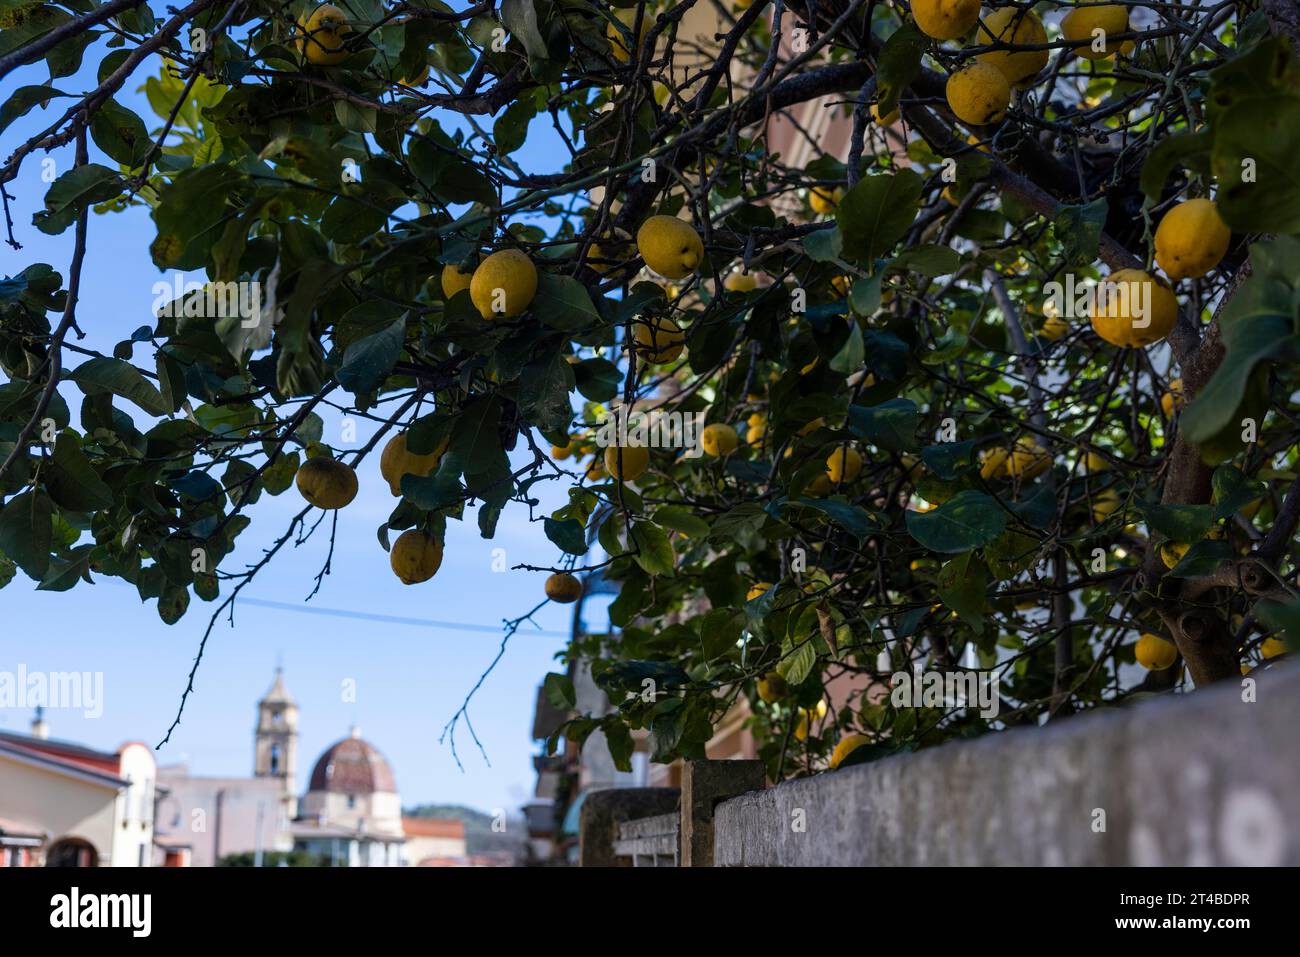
(1133, 309)
(636, 459)
(320, 39)
(1191, 239)
(824, 200)
(327, 483)
(813, 426)
(841, 284)
(757, 590)
(563, 588)
(993, 463)
(1054, 328)
(670, 246)
(740, 282)
(1013, 26)
(596, 470)
(1081, 24)
(844, 465)
(1028, 460)
(1155, 653)
(772, 687)
(755, 433)
(416, 556)
(395, 461)
(719, 440)
(562, 452)
(945, 19)
(1272, 647)
(453, 280)
(504, 284)
(978, 94)
(1095, 463)
(1173, 399)
(819, 486)
(618, 42)
(1104, 505)
(889, 119)
(846, 746)
(658, 339)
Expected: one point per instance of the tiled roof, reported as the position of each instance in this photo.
(353, 766)
(433, 827)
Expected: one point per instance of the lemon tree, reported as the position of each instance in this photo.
(1003, 384)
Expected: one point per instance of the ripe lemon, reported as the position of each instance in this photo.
(772, 687)
(1191, 239)
(636, 459)
(811, 427)
(819, 486)
(801, 727)
(823, 200)
(563, 588)
(1104, 505)
(978, 94)
(844, 465)
(618, 43)
(846, 746)
(945, 19)
(415, 557)
(1155, 653)
(1013, 26)
(993, 463)
(562, 452)
(396, 461)
(504, 284)
(1095, 463)
(740, 282)
(1119, 307)
(1028, 460)
(1272, 647)
(1173, 399)
(1054, 328)
(1079, 24)
(670, 246)
(320, 39)
(327, 483)
(658, 340)
(719, 440)
(596, 470)
(842, 284)
(609, 252)
(757, 590)
(889, 119)
(453, 280)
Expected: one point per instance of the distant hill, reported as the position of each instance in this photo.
(479, 836)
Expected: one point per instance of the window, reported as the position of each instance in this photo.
(352, 801)
(275, 759)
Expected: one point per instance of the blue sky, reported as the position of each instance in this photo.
(409, 679)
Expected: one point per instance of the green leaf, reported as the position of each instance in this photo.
(948, 460)
(930, 260)
(566, 534)
(654, 550)
(720, 631)
(680, 519)
(520, 18)
(899, 63)
(563, 303)
(544, 388)
(22, 101)
(854, 519)
(75, 190)
(1079, 228)
(1234, 490)
(72, 481)
(356, 117)
(26, 531)
(475, 438)
(120, 134)
(824, 245)
(968, 520)
(891, 425)
(597, 379)
(962, 581)
(874, 214)
(849, 358)
(1187, 149)
(559, 691)
(368, 362)
(511, 127)
(617, 736)
(1178, 523)
(1202, 558)
(102, 374)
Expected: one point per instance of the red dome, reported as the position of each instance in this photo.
(353, 766)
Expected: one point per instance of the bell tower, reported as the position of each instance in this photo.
(275, 742)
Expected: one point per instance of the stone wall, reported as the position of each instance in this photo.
(1197, 779)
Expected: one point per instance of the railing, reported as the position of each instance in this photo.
(650, 841)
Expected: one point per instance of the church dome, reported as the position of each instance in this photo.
(353, 766)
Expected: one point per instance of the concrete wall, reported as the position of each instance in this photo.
(61, 806)
(1199, 779)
